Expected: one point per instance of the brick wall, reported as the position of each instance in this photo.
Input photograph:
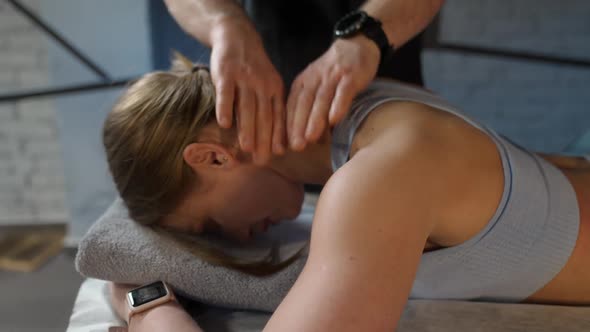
(32, 186)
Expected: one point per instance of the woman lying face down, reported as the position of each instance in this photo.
(227, 193)
(419, 201)
(175, 167)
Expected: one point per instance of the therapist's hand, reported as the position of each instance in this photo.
(248, 85)
(322, 94)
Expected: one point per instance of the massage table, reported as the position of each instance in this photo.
(92, 313)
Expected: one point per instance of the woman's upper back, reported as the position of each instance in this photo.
(510, 236)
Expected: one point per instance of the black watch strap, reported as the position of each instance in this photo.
(374, 31)
(359, 21)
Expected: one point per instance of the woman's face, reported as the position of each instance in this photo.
(244, 201)
(250, 199)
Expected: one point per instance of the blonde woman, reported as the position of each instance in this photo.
(418, 201)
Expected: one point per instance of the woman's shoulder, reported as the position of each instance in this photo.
(405, 120)
(387, 105)
(438, 156)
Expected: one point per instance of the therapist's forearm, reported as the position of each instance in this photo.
(403, 19)
(203, 18)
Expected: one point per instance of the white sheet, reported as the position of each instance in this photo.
(92, 311)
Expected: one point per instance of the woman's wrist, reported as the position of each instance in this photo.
(166, 317)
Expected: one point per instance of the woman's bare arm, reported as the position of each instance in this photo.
(418, 173)
(369, 231)
(164, 318)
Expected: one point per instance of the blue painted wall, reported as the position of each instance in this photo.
(544, 107)
(115, 34)
(167, 36)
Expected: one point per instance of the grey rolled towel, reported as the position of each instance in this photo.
(120, 250)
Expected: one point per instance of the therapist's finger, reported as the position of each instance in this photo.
(300, 116)
(290, 111)
(318, 119)
(225, 92)
(345, 92)
(278, 128)
(263, 130)
(246, 114)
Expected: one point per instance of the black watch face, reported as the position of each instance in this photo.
(148, 293)
(350, 24)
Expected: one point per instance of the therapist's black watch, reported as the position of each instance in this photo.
(359, 21)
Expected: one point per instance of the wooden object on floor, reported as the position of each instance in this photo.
(26, 248)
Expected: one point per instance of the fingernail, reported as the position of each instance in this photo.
(278, 148)
(227, 120)
(309, 132)
(245, 143)
(223, 122)
(256, 158)
(331, 115)
(297, 143)
(293, 141)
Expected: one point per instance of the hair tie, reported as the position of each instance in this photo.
(196, 68)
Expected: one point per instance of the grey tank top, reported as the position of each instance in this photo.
(526, 243)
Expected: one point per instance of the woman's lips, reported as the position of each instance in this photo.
(263, 226)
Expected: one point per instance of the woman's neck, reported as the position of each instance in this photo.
(312, 165)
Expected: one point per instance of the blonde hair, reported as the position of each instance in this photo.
(144, 137)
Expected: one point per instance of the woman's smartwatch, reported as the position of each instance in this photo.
(147, 297)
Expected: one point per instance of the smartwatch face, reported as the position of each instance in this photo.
(350, 24)
(147, 293)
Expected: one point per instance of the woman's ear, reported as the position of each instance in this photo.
(208, 155)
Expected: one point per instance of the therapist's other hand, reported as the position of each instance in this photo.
(322, 94)
(248, 85)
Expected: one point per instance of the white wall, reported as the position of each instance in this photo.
(32, 186)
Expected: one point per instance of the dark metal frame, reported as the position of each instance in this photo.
(431, 41)
(65, 90)
(68, 46)
(106, 81)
